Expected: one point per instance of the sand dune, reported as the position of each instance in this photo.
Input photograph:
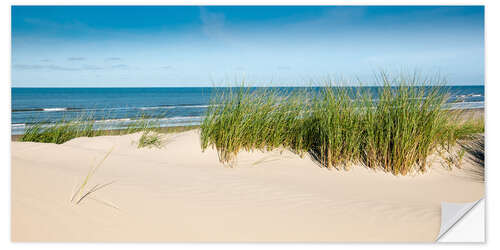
(178, 193)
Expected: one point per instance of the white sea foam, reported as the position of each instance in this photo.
(465, 105)
(192, 106)
(55, 109)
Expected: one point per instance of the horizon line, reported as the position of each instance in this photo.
(227, 86)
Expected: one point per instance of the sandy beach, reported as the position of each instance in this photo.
(246, 123)
(179, 193)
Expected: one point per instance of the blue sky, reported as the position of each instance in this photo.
(274, 45)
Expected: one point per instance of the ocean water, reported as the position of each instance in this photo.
(114, 108)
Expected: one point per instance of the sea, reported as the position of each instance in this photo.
(115, 108)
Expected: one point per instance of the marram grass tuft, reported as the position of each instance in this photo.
(394, 128)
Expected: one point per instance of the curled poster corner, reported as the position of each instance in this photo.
(452, 213)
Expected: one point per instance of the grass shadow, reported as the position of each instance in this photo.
(474, 149)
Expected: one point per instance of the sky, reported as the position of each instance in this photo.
(106, 46)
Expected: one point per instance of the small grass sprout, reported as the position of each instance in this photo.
(83, 191)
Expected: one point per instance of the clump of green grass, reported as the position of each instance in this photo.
(244, 118)
(61, 131)
(337, 119)
(84, 126)
(403, 125)
(394, 128)
(150, 139)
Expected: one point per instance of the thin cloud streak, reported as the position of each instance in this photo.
(76, 58)
(63, 68)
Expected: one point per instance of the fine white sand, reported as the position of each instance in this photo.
(177, 193)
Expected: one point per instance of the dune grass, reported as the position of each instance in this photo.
(83, 191)
(61, 131)
(246, 119)
(83, 126)
(150, 139)
(394, 128)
